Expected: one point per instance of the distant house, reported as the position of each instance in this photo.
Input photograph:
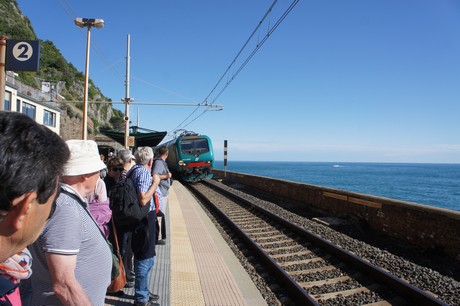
(32, 102)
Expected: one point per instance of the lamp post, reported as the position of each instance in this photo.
(88, 23)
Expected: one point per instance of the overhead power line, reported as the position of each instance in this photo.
(216, 106)
(71, 14)
(242, 48)
(258, 46)
(162, 88)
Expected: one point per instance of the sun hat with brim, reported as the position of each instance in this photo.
(84, 158)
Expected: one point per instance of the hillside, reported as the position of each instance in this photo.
(55, 68)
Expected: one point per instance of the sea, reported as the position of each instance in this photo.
(429, 184)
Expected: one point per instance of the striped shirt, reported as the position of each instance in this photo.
(71, 231)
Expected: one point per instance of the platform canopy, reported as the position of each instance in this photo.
(147, 138)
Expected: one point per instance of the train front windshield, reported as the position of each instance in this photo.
(194, 146)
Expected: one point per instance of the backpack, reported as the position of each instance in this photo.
(124, 203)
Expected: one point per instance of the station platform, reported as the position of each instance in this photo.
(195, 266)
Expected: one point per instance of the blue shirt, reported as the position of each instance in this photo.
(144, 234)
(142, 179)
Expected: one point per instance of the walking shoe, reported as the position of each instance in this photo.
(153, 297)
(161, 242)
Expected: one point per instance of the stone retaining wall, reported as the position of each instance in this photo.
(421, 225)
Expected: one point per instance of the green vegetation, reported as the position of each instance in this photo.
(54, 67)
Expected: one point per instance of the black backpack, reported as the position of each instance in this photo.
(124, 203)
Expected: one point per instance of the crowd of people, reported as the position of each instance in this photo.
(55, 213)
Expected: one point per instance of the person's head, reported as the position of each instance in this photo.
(163, 152)
(144, 156)
(82, 169)
(125, 155)
(115, 167)
(32, 158)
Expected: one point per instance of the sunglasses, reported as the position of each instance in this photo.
(118, 169)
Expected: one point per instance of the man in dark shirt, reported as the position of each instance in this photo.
(160, 168)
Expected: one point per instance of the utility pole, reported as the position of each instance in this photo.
(127, 99)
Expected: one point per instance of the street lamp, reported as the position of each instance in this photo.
(88, 23)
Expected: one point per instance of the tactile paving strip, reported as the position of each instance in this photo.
(185, 288)
(217, 283)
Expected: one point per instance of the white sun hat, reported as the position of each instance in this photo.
(84, 158)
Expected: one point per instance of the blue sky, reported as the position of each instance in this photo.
(339, 81)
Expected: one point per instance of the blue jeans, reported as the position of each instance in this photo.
(142, 269)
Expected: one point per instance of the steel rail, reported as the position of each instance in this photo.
(399, 286)
(292, 287)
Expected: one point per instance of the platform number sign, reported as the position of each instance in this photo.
(22, 55)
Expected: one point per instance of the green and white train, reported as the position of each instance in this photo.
(191, 157)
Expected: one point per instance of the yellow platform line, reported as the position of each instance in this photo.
(185, 288)
(218, 286)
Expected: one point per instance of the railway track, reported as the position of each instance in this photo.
(312, 270)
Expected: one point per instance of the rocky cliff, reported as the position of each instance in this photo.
(54, 67)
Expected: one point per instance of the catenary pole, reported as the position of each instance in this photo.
(127, 99)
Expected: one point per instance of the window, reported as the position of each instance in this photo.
(202, 144)
(195, 146)
(49, 118)
(28, 109)
(18, 105)
(7, 103)
(186, 145)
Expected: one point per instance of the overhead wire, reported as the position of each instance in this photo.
(243, 47)
(162, 88)
(72, 15)
(69, 11)
(67, 8)
(258, 46)
(205, 101)
(175, 93)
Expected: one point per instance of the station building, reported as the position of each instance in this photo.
(35, 103)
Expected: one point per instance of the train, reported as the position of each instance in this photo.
(191, 157)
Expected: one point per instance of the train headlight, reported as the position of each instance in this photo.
(181, 163)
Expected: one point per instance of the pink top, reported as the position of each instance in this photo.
(14, 298)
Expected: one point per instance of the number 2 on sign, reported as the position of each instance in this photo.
(22, 51)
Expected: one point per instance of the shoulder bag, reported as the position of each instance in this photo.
(118, 282)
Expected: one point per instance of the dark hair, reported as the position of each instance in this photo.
(32, 158)
(114, 162)
(162, 150)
